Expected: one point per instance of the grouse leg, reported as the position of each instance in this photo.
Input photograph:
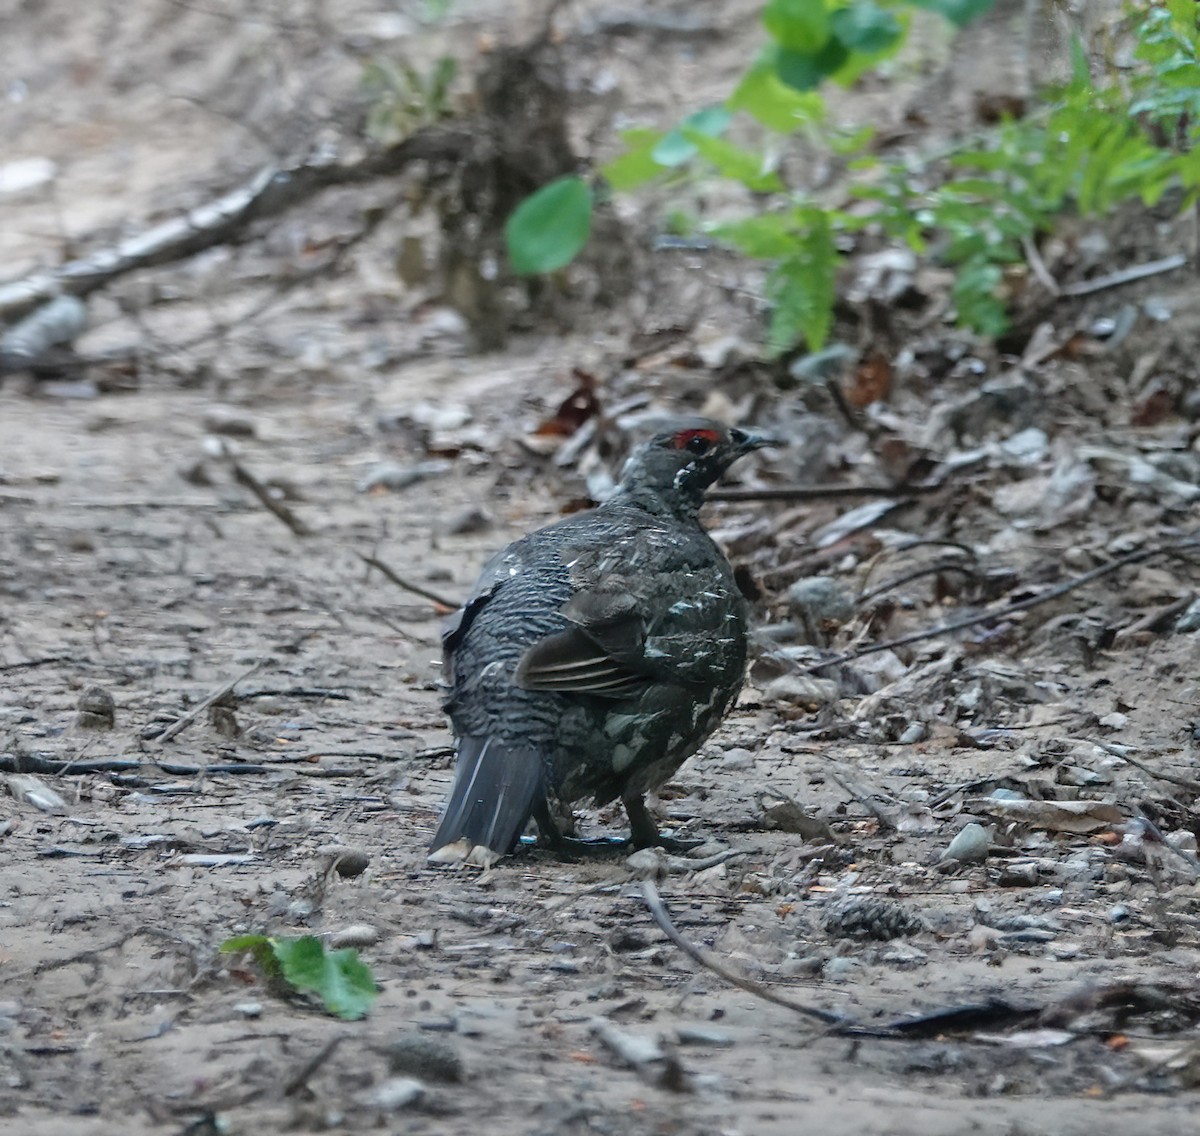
(644, 832)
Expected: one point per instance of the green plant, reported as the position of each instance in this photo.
(345, 985)
(1087, 146)
(402, 99)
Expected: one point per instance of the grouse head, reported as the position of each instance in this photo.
(670, 472)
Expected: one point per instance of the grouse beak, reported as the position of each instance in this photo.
(746, 441)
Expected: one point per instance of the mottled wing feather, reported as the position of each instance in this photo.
(573, 662)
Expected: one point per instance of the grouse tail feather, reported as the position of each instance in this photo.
(495, 789)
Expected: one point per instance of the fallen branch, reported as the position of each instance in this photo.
(1010, 609)
(407, 585)
(663, 919)
(52, 767)
(276, 507)
(271, 192)
(1125, 276)
(816, 492)
(187, 719)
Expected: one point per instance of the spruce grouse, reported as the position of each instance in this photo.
(595, 655)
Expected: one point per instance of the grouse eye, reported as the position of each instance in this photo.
(696, 441)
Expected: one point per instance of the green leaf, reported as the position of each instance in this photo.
(777, 106)
(767, 236)
(343, 983)
(865, 27)
(259, 946)
(976, 299)
(636, 165)
(960, 12)
(802, 288)
(548, 229)
(734, 162)
(338, 978)
(804, 71)
(798, 25)
(675, 148)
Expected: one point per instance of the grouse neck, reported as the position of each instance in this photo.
(674, 502)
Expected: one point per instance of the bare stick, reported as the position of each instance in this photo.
(407, 585)
(1038, 267)
(1122, 752)
(663, 919)
(271, 192)
(268, 502)
(187, 719)
(1189, 858)
(311, 1066)
(816, 492)
(867, 801)
(1125, 276)
(1011, 609)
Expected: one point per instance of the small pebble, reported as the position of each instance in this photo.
(396, 1093)
(230, 423)
(249, 1009)
(1019, 875)
(472, 519)
(1119, 913)
(96, 709)
(970, 846)
(348, 862)
(817, 599)
(702, 1035)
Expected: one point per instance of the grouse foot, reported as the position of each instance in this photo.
(643, 832)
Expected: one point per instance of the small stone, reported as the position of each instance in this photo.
(389, 475)
(1182, 840)
(737, 759)
(472, 519)
(702, 1035)
(396, 1093)
(348, 862)
(356, 935)
(229, 422)
(96, 709)
(819, 599)
(249, 1009)
(970, 846)
(913, 733)
(419, 1054)
(840, 969)
(1190, 619)
(1119, 913)
(1115, 721)
(802, 690)
(1019, 874)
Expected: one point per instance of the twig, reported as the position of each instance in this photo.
(1038, 267)
(186, 720)
(1189, 858)
(917, 574)
(1125, 276)
(50, 767)
(816, 492)
(1122, 752)
(408, 586)
(663, 919)
(43, 661)
(271, 192)
(866, 800)
(1011, 609)
(244, 477)
(311, 1066)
